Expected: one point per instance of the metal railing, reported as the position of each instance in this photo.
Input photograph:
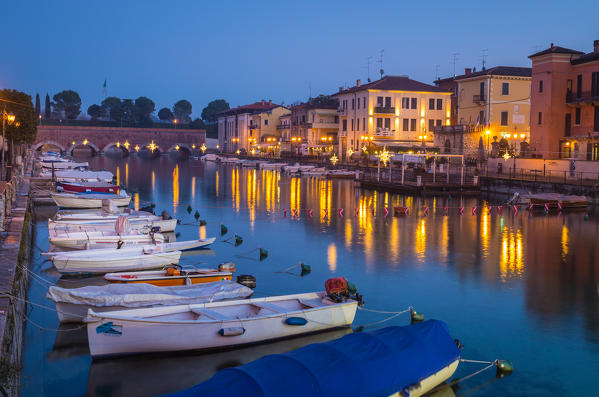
(478, 98)
(384, 110)
(584, 96)
(581, 178)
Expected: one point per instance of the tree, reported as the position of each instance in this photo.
(112, 108)
(165, 114)
(128, 109)
(197, 123)
(182, 111)
(37, 105)
(24, 128)
(68, 102)
(47, 107)
(211, 111)
(144, 107)
(95, 111)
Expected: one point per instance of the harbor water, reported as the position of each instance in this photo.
(522, 287)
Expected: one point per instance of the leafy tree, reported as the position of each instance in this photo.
(197, 123)
(95, 111)
(324, 100)
(128, 109)
(165, 114)
(37, 105)
(182, 111)
(144, 107)
(68, 102)
(47, 107)
(112, 107)
(211, 111)
(504, 147)
(24, 127)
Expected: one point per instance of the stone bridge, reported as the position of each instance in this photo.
(100, 139)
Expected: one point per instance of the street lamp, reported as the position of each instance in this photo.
(10, 118)
(488, 133)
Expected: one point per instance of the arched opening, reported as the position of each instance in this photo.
(180, 151)
(117, 149)
(48, 146)
(149, 150)
(83, 149)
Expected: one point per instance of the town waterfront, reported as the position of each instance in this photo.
(512, 286)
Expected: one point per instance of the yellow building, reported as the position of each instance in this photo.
(395, 111)
(495, 103)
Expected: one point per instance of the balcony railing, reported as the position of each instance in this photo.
(384, 110)
(582, 97)
(479, 98)
(253, 126)
(342, 111)
(283, 127)
(384, 132)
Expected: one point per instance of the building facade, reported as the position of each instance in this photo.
(314, 126)
(565, 103)
(253, 126)
(395, 111)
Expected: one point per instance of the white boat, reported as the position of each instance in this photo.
(315, 172)
(89, 200)
(230, 160)
(102, 239)
(63, 164)
(209, 157)
(80, 176)
(101, 215)
(114, 260)
(141, 225)
(72, 304)
(214, 325)
(272, 166)
(251, 163)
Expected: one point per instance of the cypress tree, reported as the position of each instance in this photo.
(47, 109)
(37, 105)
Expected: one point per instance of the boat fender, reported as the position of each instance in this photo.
(296, 321)
(263, 254)
(247, 280)
(189, 209)
(504, 367)
(238, 240)
(226, 267)
(223, 230)
(232, 331)
(196, 215)
(416, 317)
(306, 269)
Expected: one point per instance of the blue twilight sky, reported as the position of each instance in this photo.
(245, 51)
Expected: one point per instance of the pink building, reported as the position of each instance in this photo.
(564, 112)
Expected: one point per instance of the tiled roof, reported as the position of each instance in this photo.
(556, 50)
(590, 57)
(308, 106)
(251, 108)
(499, 71)
(393, 83)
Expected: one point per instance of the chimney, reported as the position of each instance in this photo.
(467, 71)
(358, 83)
(596, 46)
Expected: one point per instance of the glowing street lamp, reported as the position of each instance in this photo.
(10, 118)
(85, 142)
(334, 159)
(506, 156)
(152, 146)
(177, 147)
(136, 148)
(203, 148)
(385, 156)
(350, 151)
(126, 145)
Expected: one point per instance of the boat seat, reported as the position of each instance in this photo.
(311, 302)
(212, 314)
(271, 306)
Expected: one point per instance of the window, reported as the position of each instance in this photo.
(358, 103)
(414, 103)
(265, 122)
(387, 101)
(364, 124)
(439, 104)
(431, 104)
(505, 88)
(303, 119)
(577, 116)
(405, 103)
(358, 123)
(431, 125)
(352, 124)
(412, 124)
(540, 85)
(353, 103)
(379, 122)
(439, 123)
(388, 123)
(595, 84)
(503, 118)
(344, 125)
(540, 118)
(579, 86)
(596, 121)
(481, 117)
(364, 103)
(406, 123)
(379, 101)
(481, 90)
(567, 124)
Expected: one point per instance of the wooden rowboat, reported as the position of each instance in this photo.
(172, 277)
(214, 325)
(81, 187)
(102, 239)
(89, 200)
(141, 225)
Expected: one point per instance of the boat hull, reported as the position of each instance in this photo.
(141, 225)
(99, 264)
(67, 201)
(429, 383)
(95, 240)
(173, 281)
(134, 335)
(89, 187)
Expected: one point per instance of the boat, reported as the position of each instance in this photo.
(102, 239)
(102, 215)
(393, 361)
(141, 225)
(80, 176)
(80, 187)
(108, 260)
(341, 174)
(555, 200)
(214, 325)
(63, 164)
(172, 276)
(230, 160)
(209, 157)
(321, 171)
(72, 304)
(89, 200)
(272, 166)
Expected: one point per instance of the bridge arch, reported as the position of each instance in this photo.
(95, 148)
(119, 146)
(180, 146)
(53, 143)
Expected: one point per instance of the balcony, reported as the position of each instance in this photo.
(479, 99)
(384, 132)
(587, 97)
(283, 127)
(384, 110)
(342, 111)
(253, 126)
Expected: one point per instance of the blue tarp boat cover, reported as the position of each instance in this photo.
(376, 363)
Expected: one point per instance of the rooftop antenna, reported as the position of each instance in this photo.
(310, 89)
(381, 53)
(484, 57)
(454, 57)
(368, 59)
(436, 76)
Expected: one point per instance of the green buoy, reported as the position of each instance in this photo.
(196, 215)
(202, 222)
(223, 230)
(306, 269)
(416, 317)
(238, 240)
(504, 367)
(189, 209)
(263, 254)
